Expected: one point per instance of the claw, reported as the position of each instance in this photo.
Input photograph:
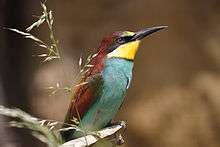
(119, 139)
(123, 124)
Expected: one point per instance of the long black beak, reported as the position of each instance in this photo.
(147, 31)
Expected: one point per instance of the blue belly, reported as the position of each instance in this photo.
(116, 79)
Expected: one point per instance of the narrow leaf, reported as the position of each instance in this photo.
(34, 38)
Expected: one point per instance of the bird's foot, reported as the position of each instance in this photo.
(118, 139)
(121, 123)
(115, 138)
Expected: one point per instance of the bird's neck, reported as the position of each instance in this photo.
(118, 72)
(120, 65)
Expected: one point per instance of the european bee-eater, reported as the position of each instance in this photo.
(97, 101)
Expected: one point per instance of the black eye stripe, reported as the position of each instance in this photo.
(119, 41)
(112, 47)
(128, 38)
(124, 39)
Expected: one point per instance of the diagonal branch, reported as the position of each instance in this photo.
(91, 139)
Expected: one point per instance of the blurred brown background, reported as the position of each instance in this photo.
(174, 99)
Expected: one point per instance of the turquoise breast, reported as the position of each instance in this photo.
(116, 77)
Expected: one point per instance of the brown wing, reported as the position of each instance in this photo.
(85, 94)
(83, 98)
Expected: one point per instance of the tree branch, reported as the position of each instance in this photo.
(91, 139)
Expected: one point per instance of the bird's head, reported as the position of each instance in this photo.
(124, 44)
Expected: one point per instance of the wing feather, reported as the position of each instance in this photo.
(84, 97)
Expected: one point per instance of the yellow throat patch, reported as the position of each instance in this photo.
(126, 51)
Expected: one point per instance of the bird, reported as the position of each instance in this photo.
(97, 100)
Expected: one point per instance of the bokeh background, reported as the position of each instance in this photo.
(174, 99)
